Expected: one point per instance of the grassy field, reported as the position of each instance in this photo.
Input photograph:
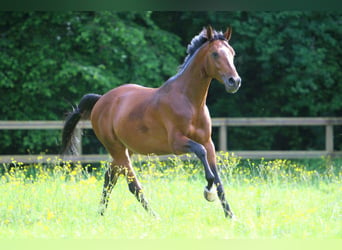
(271, 199)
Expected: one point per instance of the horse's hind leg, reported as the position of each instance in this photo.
(117, 167)
(110, 179)
(136, 189)
(122, 165)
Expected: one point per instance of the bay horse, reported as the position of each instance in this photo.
(171, 119)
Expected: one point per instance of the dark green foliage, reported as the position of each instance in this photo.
(290, 65)
(49, 60)
(289, 62)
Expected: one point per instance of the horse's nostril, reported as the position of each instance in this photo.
(234, 80)
(231, 80)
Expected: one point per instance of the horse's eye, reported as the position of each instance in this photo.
(215, 55)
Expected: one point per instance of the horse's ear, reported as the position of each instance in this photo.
(210, 33)
(228, 33)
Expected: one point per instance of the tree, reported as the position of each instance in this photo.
(51, 59)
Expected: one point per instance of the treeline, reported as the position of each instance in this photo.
(289, 62)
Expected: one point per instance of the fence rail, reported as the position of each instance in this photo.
(222, 123)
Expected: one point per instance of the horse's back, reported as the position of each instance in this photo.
(120, 96)
(127, 90)
(120, 100)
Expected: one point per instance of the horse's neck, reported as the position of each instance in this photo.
(195, 87)
(193, 84)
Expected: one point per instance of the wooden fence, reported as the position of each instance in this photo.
(222, 123)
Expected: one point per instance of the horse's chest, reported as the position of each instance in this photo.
(200, 130)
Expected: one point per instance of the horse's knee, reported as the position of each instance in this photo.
(198, 149)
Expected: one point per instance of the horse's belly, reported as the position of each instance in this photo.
(146, 145)
(143, 138)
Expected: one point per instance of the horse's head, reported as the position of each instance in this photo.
(220, 60)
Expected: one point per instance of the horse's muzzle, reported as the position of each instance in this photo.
(232, 84)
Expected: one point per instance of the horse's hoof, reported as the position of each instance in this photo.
(101, 210)
(210, 195)
(231, 216)
(154, 214)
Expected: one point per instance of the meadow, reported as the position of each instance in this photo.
(272, 199)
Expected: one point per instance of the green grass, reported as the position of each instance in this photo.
(271, 199)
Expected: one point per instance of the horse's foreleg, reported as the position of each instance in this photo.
(201, 153)
(221, 194)
(182, 144)
(219, 187)
(206, 153)
(110, 179)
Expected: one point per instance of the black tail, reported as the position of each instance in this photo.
(82, 111)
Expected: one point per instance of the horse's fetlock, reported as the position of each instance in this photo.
(132, 188)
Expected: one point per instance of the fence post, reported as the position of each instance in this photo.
(223, 138)
(329, 139)
(78, 132)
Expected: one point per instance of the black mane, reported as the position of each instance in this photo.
(197, 42)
